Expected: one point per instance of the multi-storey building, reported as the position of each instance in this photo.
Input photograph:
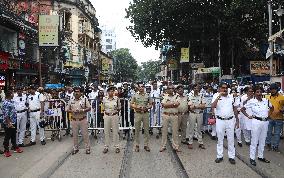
(108, 39)
(73, 61)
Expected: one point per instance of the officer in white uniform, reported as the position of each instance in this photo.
(20, 101)
(155, 95)
(36, 109)
(224, 113)
(260, 108)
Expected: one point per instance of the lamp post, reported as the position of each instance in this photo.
(279, 13)
(269, 3)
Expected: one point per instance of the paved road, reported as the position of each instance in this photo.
(54, 160)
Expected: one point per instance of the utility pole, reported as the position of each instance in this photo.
(219, 50)
(269, 3)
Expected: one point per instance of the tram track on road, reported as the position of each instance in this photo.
(126, 161)
(180, 170)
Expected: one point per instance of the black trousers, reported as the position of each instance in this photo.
(10, 134)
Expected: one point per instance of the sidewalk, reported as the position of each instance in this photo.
(35, 161)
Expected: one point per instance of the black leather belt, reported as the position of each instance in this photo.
(196, 112)
(222, 118)
(35, 110)
(260, 118)
(22, 111)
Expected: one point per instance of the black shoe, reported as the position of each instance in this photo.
(232, 161)
(240, 144)
(184, 142)
(276, 149)
(21, 145)
(43, 142)
(213, 137)
(218, 160)
(1, 152)
(31, 143)
(252, 162)
(195, 138)
(248, 143)
(151, 132)
(263, 160)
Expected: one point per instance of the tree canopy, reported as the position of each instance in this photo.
(148, 70)
(125, 66)
(241, 25)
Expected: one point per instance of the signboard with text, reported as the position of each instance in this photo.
(184, 55)
(48, 30)
(259, 67)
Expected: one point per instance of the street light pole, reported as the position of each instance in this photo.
(219, 50)
(269, 2)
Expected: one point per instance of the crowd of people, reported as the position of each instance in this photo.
(254, 111)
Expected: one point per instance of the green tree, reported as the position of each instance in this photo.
(242, 25)
(149, 69)
(125, 66)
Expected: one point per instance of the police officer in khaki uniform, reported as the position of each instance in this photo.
(196, 104)
(141, 104)
(79, 106)
(170, 114)
(182, 113)
(112, 106)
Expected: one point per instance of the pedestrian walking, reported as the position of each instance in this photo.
(170, 115)
(260, 108)
(225, 112)
(79, 106)
(36, 112)
(20, 101)
(112, 106)
(275, 118)
(141, 104)
(196, 105)
(10, 124)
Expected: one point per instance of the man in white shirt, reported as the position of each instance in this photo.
(155, 95)
(36, 109)
(225, 112)
(20, 101)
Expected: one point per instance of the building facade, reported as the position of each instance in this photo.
(108, 39)
(74, 61)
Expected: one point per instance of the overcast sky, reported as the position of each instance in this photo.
(111, 13)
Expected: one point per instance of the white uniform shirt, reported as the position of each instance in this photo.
(93, 95)
(34, 101)
(20, 102)
(155, 94)
(259, 108)
(224, 106)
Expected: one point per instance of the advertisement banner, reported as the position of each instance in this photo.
(184, 55)
(48, 30)
(105, 64)
(259, 67)
(211, 70)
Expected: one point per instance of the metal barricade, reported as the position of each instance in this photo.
(55, 117)
(95, 116)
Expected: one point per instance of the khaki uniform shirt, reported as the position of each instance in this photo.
(183, 107)
(141, 100)
(80, 104)
(170, 99)
(196, 100)
(112, 105)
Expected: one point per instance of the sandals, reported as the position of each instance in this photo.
(202, 146)
(105, 150)
(75, 152)
(88, 151)
(162, 149)
(117, 150)
(136, 148)
(147, 148)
